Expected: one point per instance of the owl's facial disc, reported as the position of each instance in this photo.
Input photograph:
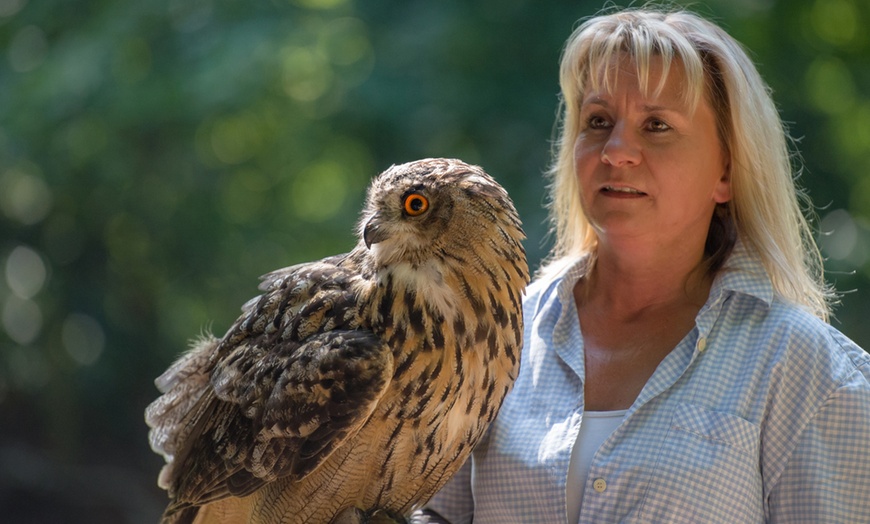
(396, 217)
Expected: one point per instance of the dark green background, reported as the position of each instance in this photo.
(156, 157)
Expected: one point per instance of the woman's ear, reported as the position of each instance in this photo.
(722, 191)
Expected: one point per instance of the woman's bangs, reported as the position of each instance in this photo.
(608, 48)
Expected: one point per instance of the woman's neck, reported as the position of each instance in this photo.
(629, 282)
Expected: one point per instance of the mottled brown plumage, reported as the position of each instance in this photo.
(354, 386)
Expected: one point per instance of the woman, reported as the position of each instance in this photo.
(678, 365)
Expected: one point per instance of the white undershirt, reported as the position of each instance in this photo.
(594, 430)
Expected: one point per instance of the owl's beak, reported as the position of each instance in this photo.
(373, 231)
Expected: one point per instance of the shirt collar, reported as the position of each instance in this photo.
(742, 273)
(562, 281)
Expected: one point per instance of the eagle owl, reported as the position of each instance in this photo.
(353, 387)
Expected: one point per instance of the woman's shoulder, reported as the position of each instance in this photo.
(550, 277)
(790, 334)
(807, 342)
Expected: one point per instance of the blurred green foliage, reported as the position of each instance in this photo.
(157, 157)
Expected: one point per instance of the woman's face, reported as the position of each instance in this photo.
(649, 167)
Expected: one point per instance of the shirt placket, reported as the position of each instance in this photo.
(603, 500)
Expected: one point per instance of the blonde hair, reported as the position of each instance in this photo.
(765, 209)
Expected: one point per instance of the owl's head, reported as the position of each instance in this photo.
(437, 207)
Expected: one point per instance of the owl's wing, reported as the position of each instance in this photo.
(302, 300)
(281, 413)
(294, 378)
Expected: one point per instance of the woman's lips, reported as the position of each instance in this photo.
(622, 192)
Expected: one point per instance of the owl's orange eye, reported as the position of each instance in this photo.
(416, 204)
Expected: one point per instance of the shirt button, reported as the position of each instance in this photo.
(599, 485)
(702, 344)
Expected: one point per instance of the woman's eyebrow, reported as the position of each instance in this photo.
(646, 107)
(595, 100)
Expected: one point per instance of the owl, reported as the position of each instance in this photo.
(353, 387)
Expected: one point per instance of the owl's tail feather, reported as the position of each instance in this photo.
(173, 414)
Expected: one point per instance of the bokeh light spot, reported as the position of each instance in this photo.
(10, 7)
(853, 135)
(25, 272)
(319, 4)
(830, 86)
(839, 234)
(24, 196)
(83, 338)
(835, 21)
(22, 319)
(344, 41)
(319, 191)
(307, 75)
(236, 139)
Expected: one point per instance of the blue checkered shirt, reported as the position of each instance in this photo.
(760, 414)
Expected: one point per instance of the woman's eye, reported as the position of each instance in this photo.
(658, 126)
(597, 122)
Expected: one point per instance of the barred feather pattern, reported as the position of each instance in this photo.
(353, 387)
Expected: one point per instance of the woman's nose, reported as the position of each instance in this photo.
(622, 147)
